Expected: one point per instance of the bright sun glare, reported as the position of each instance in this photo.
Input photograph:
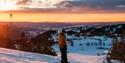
(6, 6)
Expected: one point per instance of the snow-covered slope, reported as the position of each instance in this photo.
(14, 56)
(76, 54)
(81, 47)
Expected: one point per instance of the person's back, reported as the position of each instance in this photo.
(63, 46)
(62, 40)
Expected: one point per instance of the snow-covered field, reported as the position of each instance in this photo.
(79, 53)
(14, 56)
(80, 46)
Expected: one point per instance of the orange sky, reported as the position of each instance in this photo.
(55, 17)
(63, 17)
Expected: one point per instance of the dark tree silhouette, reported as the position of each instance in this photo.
(118, 49)
(42, 43)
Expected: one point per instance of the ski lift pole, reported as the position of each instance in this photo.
(11, 16)
(11, 19)
(10, 26)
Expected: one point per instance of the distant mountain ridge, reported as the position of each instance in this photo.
(110, 30)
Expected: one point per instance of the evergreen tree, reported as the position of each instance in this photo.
(42, 43)
(118, 49)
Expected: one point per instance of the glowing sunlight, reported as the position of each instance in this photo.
(6, 6)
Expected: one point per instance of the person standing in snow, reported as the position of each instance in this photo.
(72, 44)
(63, 46)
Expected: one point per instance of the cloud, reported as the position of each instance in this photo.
(23, 2)
(120, 6)
(105, 5)
(91, 5)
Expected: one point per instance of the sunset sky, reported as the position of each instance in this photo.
(62, 10)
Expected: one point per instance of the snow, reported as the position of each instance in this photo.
(76, 54)
(14, 56)
(84, 49)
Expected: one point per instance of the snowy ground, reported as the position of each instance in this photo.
(87, 50)
(14, 56)
(77, 53)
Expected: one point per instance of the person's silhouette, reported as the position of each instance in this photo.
(63, 46)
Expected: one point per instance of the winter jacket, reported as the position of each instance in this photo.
(62, 40)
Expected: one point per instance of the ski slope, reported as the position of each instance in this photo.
(76, 54)
(14, 56)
